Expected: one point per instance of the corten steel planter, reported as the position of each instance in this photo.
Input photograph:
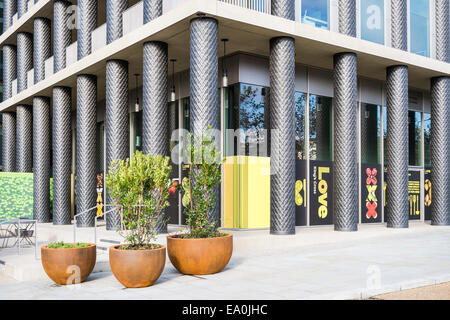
(200, 256)
(68, 265)
(137, 268)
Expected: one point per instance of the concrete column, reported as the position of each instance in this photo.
(347, 17)
(62, 154)
(442, 30)
(22, 7)
(42, 46)
(9, 9)
(62, 35)
(114, 11)
(24, 138)
(24, 59)
(41, 158)
(86, 148)
(9, 69)
(152, 9)
(117, 123)
(9, 141)
(397, 210)
(399, 24)
(87, 22)
(345, 143)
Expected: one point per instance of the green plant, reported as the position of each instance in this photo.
(64, 245)
(200, 187)
(139, 188)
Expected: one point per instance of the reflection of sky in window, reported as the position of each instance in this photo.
(420, 29)
(372, 20)
(315, 13)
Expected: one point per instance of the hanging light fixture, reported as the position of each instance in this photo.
(136, 105)
(172, 93)
(224, 68)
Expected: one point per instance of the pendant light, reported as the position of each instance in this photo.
(172, 93)
(136, 105)
(224, 68)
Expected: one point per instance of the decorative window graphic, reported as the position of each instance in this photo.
(321, 175)
(414, 195)
(428, 187)
(372, 20)
(301, 186)
(370, 193)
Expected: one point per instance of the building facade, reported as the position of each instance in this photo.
(331, 112)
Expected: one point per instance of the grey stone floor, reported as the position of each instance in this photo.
(359, 267)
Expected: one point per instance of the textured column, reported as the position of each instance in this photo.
(154, 101)
(62, 154)
(9, 69)
(41, 158)
(42, 45)
(347, 17)
(22, 6)
(24, 138)
(442, 30)
(114, 11)
(152, 9)
(62, 35)
(117, 125)
(86, 147)
(9, 141)
(24, 59)
(283, 8)
(87, 22)
(440, 150)
(345, 143)
(9, 9)
(399, 24)
(397, 209)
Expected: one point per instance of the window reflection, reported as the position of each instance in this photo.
(414, 137)
(370, 133)
(420, 27)
(427, 139)
(372, 20)
(300, 104)
(320, 127)
(316, 13)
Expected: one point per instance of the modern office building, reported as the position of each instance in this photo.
(346, 101)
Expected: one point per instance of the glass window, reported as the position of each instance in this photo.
(385, 133)
(372, 20)
(414, 137)
(320, 124)
(316, 13)
(137, 132)
(420, 27)
(427, 139)
(300, 105)
(370, 133)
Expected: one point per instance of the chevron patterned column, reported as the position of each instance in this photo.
(24, 59)
(9, 141)
(9, 69)
(41, 158)
(24, 138)
(152, 9)
(440, 150)
(442, 30)
(86, 147)
(345, 143)
(87, 22)
(42, 45)
(62, 154)
(117, 131)
(399, 24)
(114, 11)
(397, 210)
(347, 17)
(62, 35)
(283, 8)
(9, 9)
(22, 7)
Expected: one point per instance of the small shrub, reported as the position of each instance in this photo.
(63, 245)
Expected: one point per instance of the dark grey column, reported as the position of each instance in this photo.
(9, 9)
(42, 45)
(399, 24)
(24, 59)
(440, 150)
(397, 210)
(345, 143)
(41, 158)
(62, 154)
(347, 17)
(9, 141)
(283, 8)
(24, 138)
(87, 22)
(114, 11)
(152, 9)
(117, 125)
(9, 69)
(86, 147)
(442, 30)
(22, 6)
(62, 35)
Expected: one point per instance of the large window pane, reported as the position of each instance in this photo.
(414, 137)
(372, 20)
(316, 13)
(370, 133)
(320, 109)
(420, 27)
(300, 105)
(427, 139)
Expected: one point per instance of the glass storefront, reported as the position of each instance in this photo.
(370, 133)
(372, 20)
(316, 13)
(420, 27)
(300, 107)
(427, 139)
(414, 138)
(320, 128)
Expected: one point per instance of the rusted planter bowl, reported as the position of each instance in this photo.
(68, 265)
(200, 256)
(137, 268)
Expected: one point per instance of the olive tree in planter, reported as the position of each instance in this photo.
(203, 249)
(139, 188)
